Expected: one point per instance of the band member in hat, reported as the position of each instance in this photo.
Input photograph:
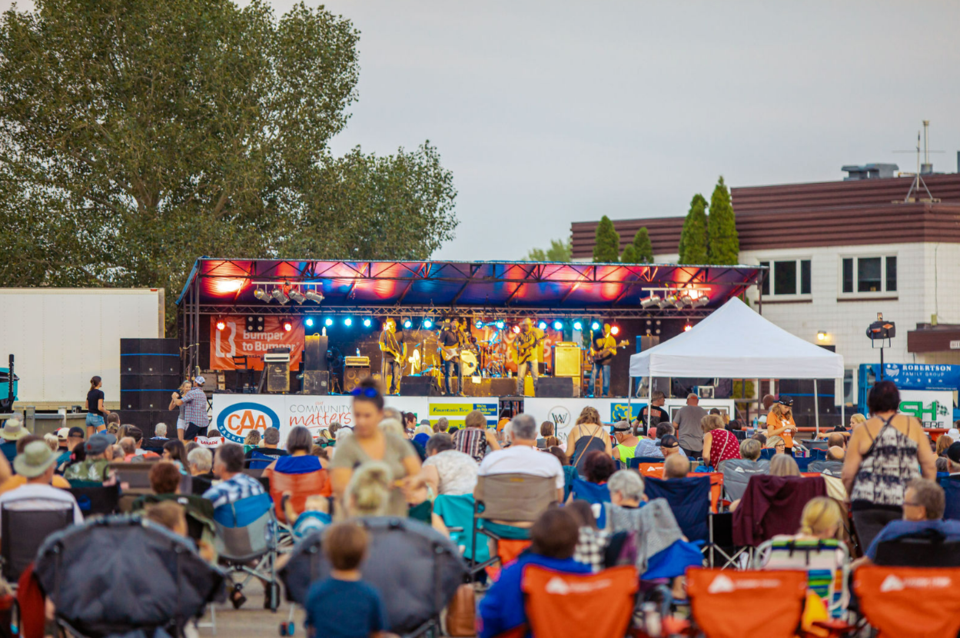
(392, 356)
(526, 344)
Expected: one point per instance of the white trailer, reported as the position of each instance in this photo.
(60, 337)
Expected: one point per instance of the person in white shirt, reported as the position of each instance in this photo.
(37, 464)
(522, 457)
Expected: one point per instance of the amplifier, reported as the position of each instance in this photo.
(278, 377)
(356, 362)
(353, 375)
(277, 356)
(566, 359)
(315, 352)
(316, 382)
(419, 387)
(555, 387)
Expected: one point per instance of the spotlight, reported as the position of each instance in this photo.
(348, 322)
(650, 302)
(407, 324)
(558, 325)
(280, 296)
(500, 324)
(308, 322)
(297, 296)
(427, 324)
(367, 323)
(328, 321)
(595, 326)
(577, 325)
(261, 295)
(686, 328)
(614, 330)
(314, 296)
(221, 324)
(542, 325)
(674, 300)
(702, 300)
(479, 324)
(821, 335)
(516, 329)
(287, 326)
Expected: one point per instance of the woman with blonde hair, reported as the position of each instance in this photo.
(822, 519)
(368, 492)
(780, 422)
(587, 436)
(718, 444)
(856, 419)
(777, 443)
(784, 465)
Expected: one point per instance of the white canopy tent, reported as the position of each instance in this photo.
(736, 342)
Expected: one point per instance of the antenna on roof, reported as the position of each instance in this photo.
(926, 168)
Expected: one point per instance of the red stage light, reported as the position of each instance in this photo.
(614, 330)
(221, 324)
(287, 326)
(516, 329)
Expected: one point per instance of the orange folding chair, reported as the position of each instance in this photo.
(300, 485)
(910, 602)
(580, 605)
(716, 488)
(720, 600)
(651, 469)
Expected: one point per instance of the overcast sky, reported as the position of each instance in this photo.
(552, 112)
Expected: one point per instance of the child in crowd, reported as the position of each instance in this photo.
(343, 606)
(171, 515)
(315, 514)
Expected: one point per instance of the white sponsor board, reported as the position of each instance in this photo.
(934, 408)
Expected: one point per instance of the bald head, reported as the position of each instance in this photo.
(676, 466)
(692, 399)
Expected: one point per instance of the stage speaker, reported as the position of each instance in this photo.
(419, 387)
(648, 341)
(566, 360)
(503, 387)
(315, 352)
(316, 382)
(278, 377)
(144, 399)
(555, 387)
(129, 400)
(353, 375)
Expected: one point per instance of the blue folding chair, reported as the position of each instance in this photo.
(767, 453)
(637, 460)
(803, 462)
(456, 511)
(593, 494)
(689, 499)
(259, 461)
(246, 542)
(951, 489)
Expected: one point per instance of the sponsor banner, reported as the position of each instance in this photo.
(933, 408)
(455, 409)
(923, 376)
(235, 341)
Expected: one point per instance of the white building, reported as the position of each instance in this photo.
(839, 253)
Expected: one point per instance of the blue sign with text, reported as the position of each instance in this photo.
(922, 376)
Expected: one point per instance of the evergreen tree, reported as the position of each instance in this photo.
(642, 248)
(606, 248)
(629, 255)
(693, 239)
(724, 244)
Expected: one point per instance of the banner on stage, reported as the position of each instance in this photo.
(235, 341)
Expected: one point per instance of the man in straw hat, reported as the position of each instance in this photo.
(37, 464)
(11, 432)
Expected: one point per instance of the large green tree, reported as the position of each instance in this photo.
(559, 250)
(724, 243)
(136, 136)
(606, 248)
(643, 249)
(693, 238)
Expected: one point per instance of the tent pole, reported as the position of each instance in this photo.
(649, 403)
(843, 406)
(816, 408)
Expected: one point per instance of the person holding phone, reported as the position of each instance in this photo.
(780, 422)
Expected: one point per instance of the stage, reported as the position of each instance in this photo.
(235, 415)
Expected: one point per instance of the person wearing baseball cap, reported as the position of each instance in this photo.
(953, 458)
(195, 415)
(669, 445)
(11, 432)
(36, 465)
(780, 422)
(94, 467)
(74, 438)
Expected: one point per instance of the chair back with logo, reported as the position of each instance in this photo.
(637, 461)
(514, 497)
(23, 531)
(747, 604)
(822, 466)
(689, 498)
(300, 485)
(654, 470)
(579, 605)
(736, 473)
(909, 601)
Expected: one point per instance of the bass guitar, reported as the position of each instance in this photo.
(596, 356)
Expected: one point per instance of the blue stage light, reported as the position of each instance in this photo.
(348, 322)
(367, 323)
(479, 324)
(595, 325)
(577, 325)
(558, 325)
(328, 322)
(500, 324)
(407, 324)
(427, 324)
(308, 322)
(542, 325)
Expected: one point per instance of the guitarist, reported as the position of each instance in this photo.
(526, 343)
(449, 342)
(392, 355)
(603, 349)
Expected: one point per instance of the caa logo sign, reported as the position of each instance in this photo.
(237, 421)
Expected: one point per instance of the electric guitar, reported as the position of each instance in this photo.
(524, 352)
(388, 348)
(603, 354)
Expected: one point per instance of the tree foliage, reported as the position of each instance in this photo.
(559, 250)
(136, 136)
(642, 248)
(724, 246)
(606, 248)
(693, 238)
(629, 255)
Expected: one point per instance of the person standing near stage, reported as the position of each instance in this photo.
(195, 415)
(96, 413)
(526, 344)
(603, 349)
(687, 423)
(392, 356)
(449, 342)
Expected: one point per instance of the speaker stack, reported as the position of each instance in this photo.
(316, 374)
(149, 373)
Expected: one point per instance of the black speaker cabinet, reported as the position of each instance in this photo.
(419, 387)
(503, 387)
(353, 375)
(315, 352)
(555, 387)
(144, 400)
(278, 377)
(316, 382)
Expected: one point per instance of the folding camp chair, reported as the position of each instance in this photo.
(951, 490)
(721, 542)
(822, 466)
(716, 488)
(736, 473)
(259, 461)
(593, 494)
(579, 605)
(501, 501)
(456, 511)
(22, 532)
(689, 498)
(97, 500)
(907, 602)
(654, 470)
(198, 511)
(747, 604)
(637, 461)
(927, 548)
(246, 542)
(300, 485)
(826, 563)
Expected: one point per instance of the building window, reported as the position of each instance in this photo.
(789, 277)
(868, 275)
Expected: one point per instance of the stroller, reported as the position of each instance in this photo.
(125, 576)
(416, 570)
